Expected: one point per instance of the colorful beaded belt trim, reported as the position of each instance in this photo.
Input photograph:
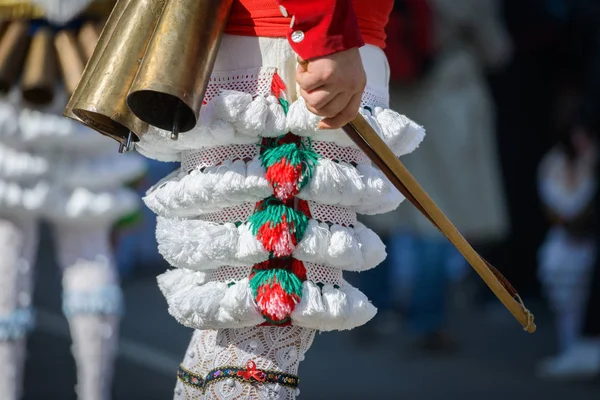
(249, 374)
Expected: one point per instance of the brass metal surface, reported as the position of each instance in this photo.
(70, 59)
(105, 36)
(39, 76)
(13, 49)
(170, 85)
(101, 104)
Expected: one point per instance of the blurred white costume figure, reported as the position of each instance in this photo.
(260, 220)
(567, 189)
(55, 169)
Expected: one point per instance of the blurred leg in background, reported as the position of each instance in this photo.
(18, 244)
(92, 303)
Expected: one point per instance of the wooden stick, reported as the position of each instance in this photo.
(367, 139)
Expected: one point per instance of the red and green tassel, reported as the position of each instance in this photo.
(289, 168)
(276, 284)
(277, 287)
(277, 226)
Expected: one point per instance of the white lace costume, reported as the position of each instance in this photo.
(565, 258)
(55, 169)
(209, 228)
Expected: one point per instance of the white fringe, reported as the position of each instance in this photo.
(234, 117)
(198, 304)
(83, 206)
(19, 198)
(20, 166)
(202, 245)
(234, 183)
(400, 133)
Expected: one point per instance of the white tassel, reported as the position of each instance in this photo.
(197, 245)
(309, 312)
(230, 104)
(275, 124)
(237, 307)
(315, 244)
(399, 132)
(300, 121)
(198, 306)
(354, 188)
(337, 308)
(252, 121)
(257, 186)
(327, 183)
(230, 187)
(221, 133)
(371, 246)
(344, 249)
(361, 309)
(248, 247)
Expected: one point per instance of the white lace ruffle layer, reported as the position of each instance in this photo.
(203, 245)
(234, 117)
(232, 183)
(198, 303)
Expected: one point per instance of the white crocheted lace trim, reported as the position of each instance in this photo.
(199, 303)
(243, 117)
(203, 245)
(271, 348)
(214, 131)
(231, 183)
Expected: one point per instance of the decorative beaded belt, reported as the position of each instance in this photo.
(249, 374)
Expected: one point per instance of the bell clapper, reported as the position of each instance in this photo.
(124, 148)
(175, 131)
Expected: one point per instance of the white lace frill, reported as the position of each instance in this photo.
(231, 183)
(58, 169)
(200, 303)
(233, 116)
(204, 245)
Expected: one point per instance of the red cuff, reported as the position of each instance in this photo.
(321, 27)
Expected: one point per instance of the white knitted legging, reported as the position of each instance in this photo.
(91, 302)
(271, 348)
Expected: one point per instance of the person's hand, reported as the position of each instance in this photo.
(332, 87)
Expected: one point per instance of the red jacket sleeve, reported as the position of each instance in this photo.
(321, 27)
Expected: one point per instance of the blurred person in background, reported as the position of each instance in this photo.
(54, 169)
(582, 22)
(568, 186)
(458, 165)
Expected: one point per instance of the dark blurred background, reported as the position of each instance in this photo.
(498, 85)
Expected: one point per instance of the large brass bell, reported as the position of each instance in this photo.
(100, 98)
(13, 49)
(170, 85)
